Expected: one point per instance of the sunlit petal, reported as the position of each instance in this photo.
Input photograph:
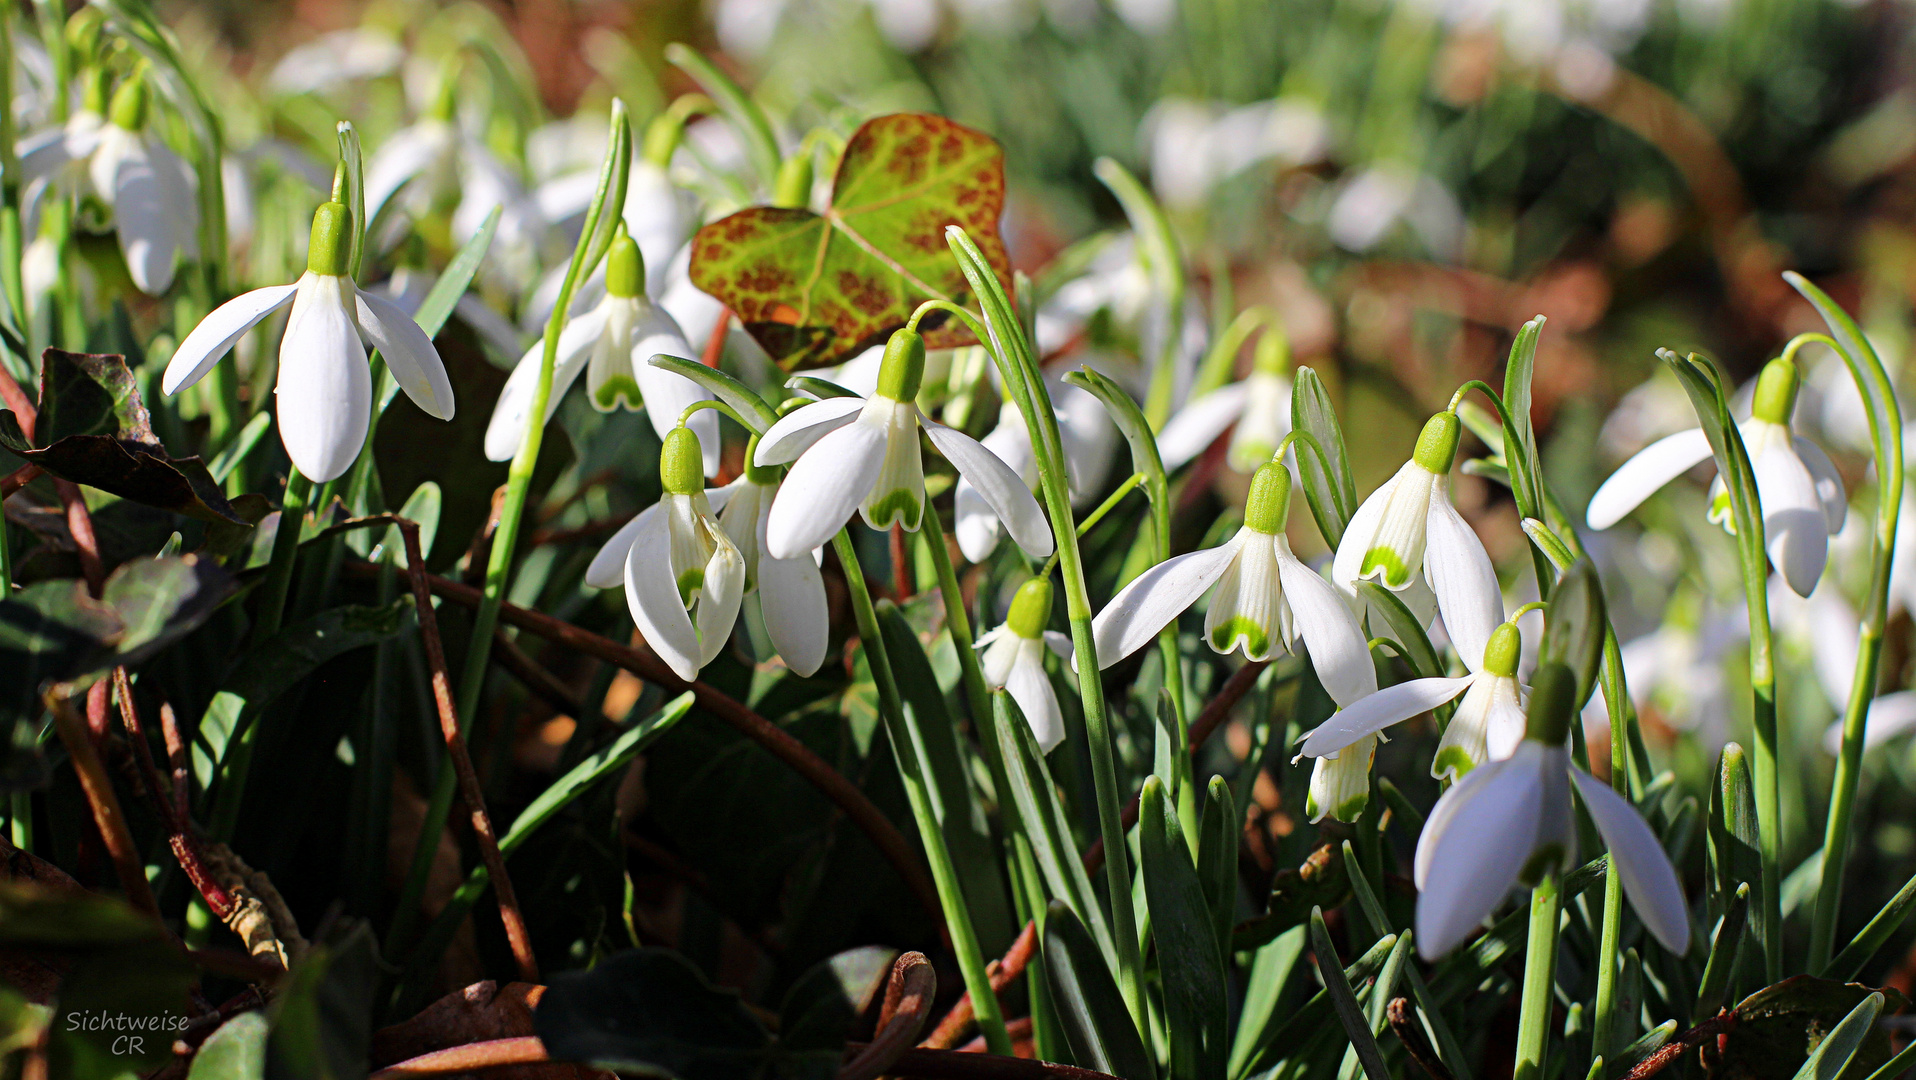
(796, 431)
(409, 354)
(1001, 488)
(1133, 617)
(1465, 582)
(1648, 470)
(1648, 878)
(1375, 712)
(216, 334)
(509, 416)
(823, 489)
(325, 390)
(653, 597)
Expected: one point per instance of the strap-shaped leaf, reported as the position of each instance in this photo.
(1096, 1024)
(1833, 1054)
(1520, 437)
(747, 119)
(1845, 964)
(1732, 458)
(1189, 961)
(1124, 412)
(1271, 969)
(1344, 1001)
(1328, 487)
(817, 387)
(1548, 543)
(1315, 1013)
(1409, 631)
(1724, 945)
(444, 295)
(749, 406)
(1734, 838)
(1218, 834)
(1366, 896)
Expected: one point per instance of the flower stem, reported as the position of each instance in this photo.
(1769, 811)
(279, 572)
(1616, 697)
(958, 625)
(964, 939)
(1539, 975)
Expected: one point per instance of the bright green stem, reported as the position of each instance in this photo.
(1616, 695)
(1539, 973)
(951, 896)
(958, 624)
(279, 572)
(1769, 811)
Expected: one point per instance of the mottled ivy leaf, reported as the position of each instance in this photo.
(1778, 1027)
(816, 289)
(649, 1011)
(93, 429)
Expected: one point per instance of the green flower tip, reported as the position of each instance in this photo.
(128, 110)
(1500, 652)
(624, 267)
(682, 463)
(1776, 391)
(904, 366)
(1273, 353)
(1269, 504)
(1030, 608)
(794, 186)
(83, 31)
(1553, 703)
(1241, 628)
(1437, 445)
(332, 239)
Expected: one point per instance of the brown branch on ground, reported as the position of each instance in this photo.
(774, 739)
(1208, 721)
(1722, 1023)
(907, 1003)
(959, 1065)
(18, 478)
(1001, 972)
(105, 804)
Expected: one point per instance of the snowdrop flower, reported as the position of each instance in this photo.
(862, 454)
(1409, 524)
(1259, 404)
(1800, 490)
(610, 345)
(325, 388)
(1512, 820)
(1085, 433)
(1265, 596)
(684, 577)
(1014, 661)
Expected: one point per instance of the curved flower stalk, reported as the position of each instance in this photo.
(1512, 821)
(862, 454)
(150, 190)
(684, 577)
(1014, 660)
(1801, 491)
(610, 345)
(1265, 597)
(325, 387)
(1409, 525)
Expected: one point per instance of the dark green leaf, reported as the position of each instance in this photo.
(750, 407)
(1096, 1024)
(1839, 1048)
(1328, 487)
(817, 289)
(237, 1051)
(322, 1017)
(1779, 1026)
(56, 630)
(1344, 1001)
(1218, 834)
(651, 1012)
(1183, 928)
(1035, 796)
(1846, 964)
(135, 469)
(1577, 621)
(1725, 943)
(748, 120)
(1734, 837)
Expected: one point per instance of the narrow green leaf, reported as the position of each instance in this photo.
(1400, 805)
(1315, 1013)
(1724, 945)
(1124, 412)
(1097, 1025)
(444, 295)
(1344, 1001)
(1328, 487)
(1366, 897)
(1896, 1066)
(1576, 623)
(1834, 1053)
(355, 170)
(747, 119)
(1844, 965)
(1217, 859)
(1409, 630)
(1734, 837)
(1270, 975)
(750, 407)
(1380, 994)
(1560, 556)
(818, 388)
(1183, 928)
(1520, 442)
(1652, 1041)
(249, 436)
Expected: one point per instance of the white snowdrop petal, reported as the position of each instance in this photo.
(1245, 610)
(1829, 482)
(1133, 617)
(1793, 521)
(1487, 836)
(409, 354)
(1001, 488)
(1648, 878)
(607, 569)
(653, 597)
(720, 594)
(325, 390)
(1375, 712)
(1360, 533)
(1059, 643)
(798, 430)
(152, 215)
(1340, 654)
(1199, 423)
(667, 393)
(1031, 688)
(1001, 648)
(1461, 575)
(509, 416)
(1648, 470)
(791, 593)
(823, 489)
(214, 337)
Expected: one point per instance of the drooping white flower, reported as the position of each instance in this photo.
(611, 345)
(684, 577)
(1013, 661)
(1259, 405)
(325, 386)
(1409, 525)
(1512, 820)
(861, 454)
(1800, 490)
(332, 60)
(1084, 432)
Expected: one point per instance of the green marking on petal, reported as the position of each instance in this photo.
(1721, 512)
(1352, 808)
(617, 390)
(1256, 639)
(1396, 574)
(901, 507)
(1454, 760)
(690, 583)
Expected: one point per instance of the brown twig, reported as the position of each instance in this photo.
(1723, 1022)
(1019, 1030)
(475, 799)
(80, 524)
(176, 758)
(1215, 711)
(19, 478)
(1001, 973)
(181, 836)
(491, 1054)
(960, 1065)
(1403, 1021)
(774, 739)
(907, 1003)
(107, 814)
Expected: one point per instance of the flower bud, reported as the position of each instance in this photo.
(1552, 705)
(1269, 504)
(83, 32)
(331, 244)
(128, 110)
(903, 367)
(1437, 445)
(624, 268)
(1030, 608)
(1776, 392)
(682, 463)
(1502, 650)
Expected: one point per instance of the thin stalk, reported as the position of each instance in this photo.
(1616, 698)
(1769, 809)
(958, 625)
(1539, 973)
(951, 896)
(279, 572)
